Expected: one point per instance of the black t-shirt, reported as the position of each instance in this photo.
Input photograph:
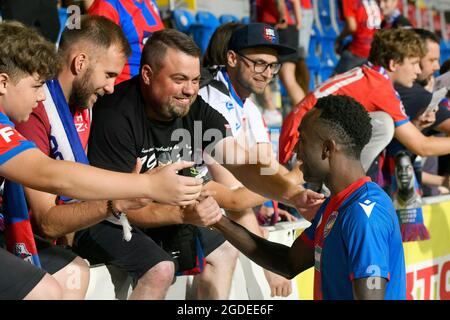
(121, 132)
(416, 99)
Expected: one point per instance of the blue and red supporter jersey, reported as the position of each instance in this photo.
(368, 19)
(358, 236)
(138, 20)
(368, 85)
(11, 142)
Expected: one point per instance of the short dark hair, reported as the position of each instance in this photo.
(24, 52)
(427, 35)
(346, 120)
(401, 154)
(216, 53)
(155, 48)
(396, 45)
(98, 31)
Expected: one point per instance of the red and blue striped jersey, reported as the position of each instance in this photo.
(138, 19)
(12, 142)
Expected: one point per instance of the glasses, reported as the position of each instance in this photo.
(261, 67)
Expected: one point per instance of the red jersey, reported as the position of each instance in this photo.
(306, 4)
(267, 12)
(366, 85)
(368, 19)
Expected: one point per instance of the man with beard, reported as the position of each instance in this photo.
(354, 241)
(92, 58)
(160, 113)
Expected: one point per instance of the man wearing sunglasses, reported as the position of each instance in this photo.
(252, 61)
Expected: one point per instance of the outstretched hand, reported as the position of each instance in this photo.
(426, 119)
(172, 188)
(307, 202)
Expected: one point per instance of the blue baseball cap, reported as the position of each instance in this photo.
(258, 35)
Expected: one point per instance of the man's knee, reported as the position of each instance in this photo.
(162, 274)
(84, 269)
(47, 289)
(226, 252)
(53, 290)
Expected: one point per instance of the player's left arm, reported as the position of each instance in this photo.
(370, 288)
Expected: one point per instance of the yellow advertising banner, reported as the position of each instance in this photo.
(187, 4)
(427, 262)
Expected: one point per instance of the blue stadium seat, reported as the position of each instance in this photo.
(312, 59)
(204, 28)
(328, 56)
(245, 20)
(225, 18)
(183, 20)
(324, 13)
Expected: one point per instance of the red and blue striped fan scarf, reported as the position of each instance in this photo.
(18, 233)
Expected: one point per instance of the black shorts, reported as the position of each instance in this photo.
(289, 37)
(25, 276)
(53, 258)
(182, 243)
(103, 243)
(211, 239)
(17, 277)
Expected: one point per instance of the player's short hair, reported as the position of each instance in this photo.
(345, 120)
(155, 48)
(24, 52)
(396, 45)
(98, 32)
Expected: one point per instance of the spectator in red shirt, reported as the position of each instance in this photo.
(362, 19)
